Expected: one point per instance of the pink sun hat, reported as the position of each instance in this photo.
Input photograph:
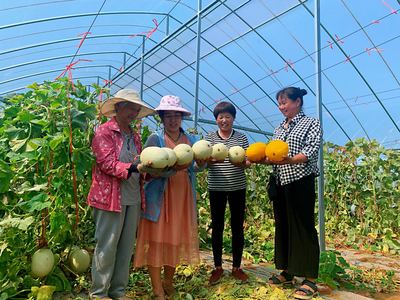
(173, 103)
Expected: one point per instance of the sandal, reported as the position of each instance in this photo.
(308, 293)
(277, 281)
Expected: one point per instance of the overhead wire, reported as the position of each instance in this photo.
(323, 73)
(355, 68)
(372, 42)
(90, 27)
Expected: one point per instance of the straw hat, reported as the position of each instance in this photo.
(173, 103)
(125, 95)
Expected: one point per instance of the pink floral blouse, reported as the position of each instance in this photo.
(105, 191)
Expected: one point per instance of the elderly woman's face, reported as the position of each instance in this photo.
(127, 111)
(225, 121)
(172, 120)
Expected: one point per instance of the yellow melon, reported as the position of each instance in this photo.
(277, 150)
(256, 151)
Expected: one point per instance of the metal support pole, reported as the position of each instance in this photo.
(196, 91)
(167, 26)
(142, 67)
(124, 65)
(109, 77)
(318, 92)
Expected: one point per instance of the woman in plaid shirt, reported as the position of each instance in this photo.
(296, 239)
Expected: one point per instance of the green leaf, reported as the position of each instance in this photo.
(39, 122)
(25, 116)
(39, 202)
(16, 144)
(56, 141)
(34, 144)
(5, 176)
(19, 223)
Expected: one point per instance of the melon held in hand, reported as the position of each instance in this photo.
(219, 151)
(236, 154)
(184, 154)
(172, 156)
(202, 150)
(157, 156)
(277, 150)
(256, 152)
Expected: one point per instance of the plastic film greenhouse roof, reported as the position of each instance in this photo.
(247, 51)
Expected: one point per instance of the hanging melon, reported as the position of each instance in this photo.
(277, 150)
(42, 262)
(79, 260)
(256, 151)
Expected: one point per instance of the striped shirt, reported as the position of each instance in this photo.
(303, 135)
(224, 176)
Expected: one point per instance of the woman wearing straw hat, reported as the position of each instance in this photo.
(167, 234)
(116, 193)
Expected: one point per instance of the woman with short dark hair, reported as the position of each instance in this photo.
(227, 183)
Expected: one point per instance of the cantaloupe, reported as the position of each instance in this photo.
(172, 156)
(184, 154)
(219, 151)
(277, 150)
(79, 260)
(202, 150)
(42, 262)
(236, 154)
(158, 157)
(256, 152)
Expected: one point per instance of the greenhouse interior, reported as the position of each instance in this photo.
(63, 61)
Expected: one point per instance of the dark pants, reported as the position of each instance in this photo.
(237, 205)
(296, 239)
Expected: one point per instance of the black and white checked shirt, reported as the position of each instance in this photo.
(303, 135)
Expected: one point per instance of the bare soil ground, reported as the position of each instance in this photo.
(362, 259)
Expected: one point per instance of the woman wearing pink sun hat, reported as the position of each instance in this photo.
(168, 233)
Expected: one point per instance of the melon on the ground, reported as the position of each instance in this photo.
(172, 156)
(42, 262)
(184, 154)
(219, 151)
(277, 150)
(158, 157)
(202, 150)
(256, 151)
(236, 154)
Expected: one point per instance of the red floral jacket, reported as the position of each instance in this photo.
(105, 191)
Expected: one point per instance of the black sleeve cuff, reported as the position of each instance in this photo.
(132, 169)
